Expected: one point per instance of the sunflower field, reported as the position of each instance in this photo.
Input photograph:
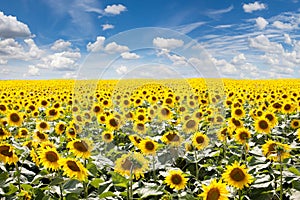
(208, 139)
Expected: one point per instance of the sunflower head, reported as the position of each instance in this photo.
(80, 148)
(215, 191)
(107, 136)
(295, 123)
(135, 139)
(200, 140)
(237, 176)
(176, 179)
(73, 168)
(49, 157)
(242, 135)
(262, 125)
(172, 138)
(148, 146)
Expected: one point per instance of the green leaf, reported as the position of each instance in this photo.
(96, 182)
(296, 185)
(294, 170)
(26, 187)
(106, 194)
(72, 196)
(11, 190)
(118, 180)
(92, 169)
(71, 184)
(57, 181)
(39, 194)
(3, 177)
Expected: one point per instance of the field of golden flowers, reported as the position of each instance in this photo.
(150, 139)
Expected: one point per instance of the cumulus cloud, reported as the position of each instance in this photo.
(115, 48)
(238, 59)
(249, 8)
(107, 26)
(263, 43)
(287, 39)
(34, 51)
(167, 43)
(97, 45)
(10, 27)
(129, 56)
(281, 25)
(261, 22)
(114, 9)
(122, 70)
(64, 61)
(70, 75)
(60, 45)
(32, 71)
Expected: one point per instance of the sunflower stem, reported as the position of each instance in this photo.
(240, 194)
(196, 162)
(246, 154)
(85, 188)
(129, 193)
(153, 163)
(18, 176)
(281, 189)
(61, 192)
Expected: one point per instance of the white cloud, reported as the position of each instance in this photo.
(262, 42)
(128, 55)
(224, 67)
(60, 45)
(3, 62)
(167, 43)
(115, 48)
(238, 59)
(188, 27)
(281, 25)
(34, 51)
(287, 39)
(65, 61)
(70, 75)
(261, 23)
(97, 45)
(249, 8)
(122, 70)
(115, 9)
(10, 27)
(107, 26)
(32, 71)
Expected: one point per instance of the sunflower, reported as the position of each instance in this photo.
(288, 108)
(238, 113)
(172, 138)
(107, 136)
(271, 117)
(42, 126)
(276, 151)
(224, 133)
(52, 114)
(176, 179)
(15, 119)
(164, 113)
(140, 128)
(4, 133)
(200, 140)
(235, 123)
(242, 135)
(34, 157)
(47, 144)
(132, 162)
(71, 132)
(23, 133)
(295, 123)
(190, 126)
(298, 133)
(40, 136)
(113, 123)
(237, 176)
(262, 125)
(60, 128)
(148, 146)
(80, 148)
(135, 139)
(7, 154)
(214, 191)
(73, 168)
(49, 158)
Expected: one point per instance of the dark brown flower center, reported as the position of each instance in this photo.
(237, 174)
(200, 139)
(149, 145)
(97, 109)
(191, 123)
(287, 107)
(113, 122)
(51, 156)
(173, 137)
(176, 179)
(238, 112)
(43, 125)
(52, 112)
(296, 123)
(41, 135)
(107, 136)
(61, 127)
(165, 112)
(263, 124)
(81, 146)
(140, 126)
(24, 132)
(141, 117)
(14, 117)
(243, 135)
(270, 117)
(5, 150)
(2, 132)
(213, 194)
(73, 166)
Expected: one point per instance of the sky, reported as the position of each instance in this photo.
(81, 39)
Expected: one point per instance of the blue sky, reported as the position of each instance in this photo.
(45, 39)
